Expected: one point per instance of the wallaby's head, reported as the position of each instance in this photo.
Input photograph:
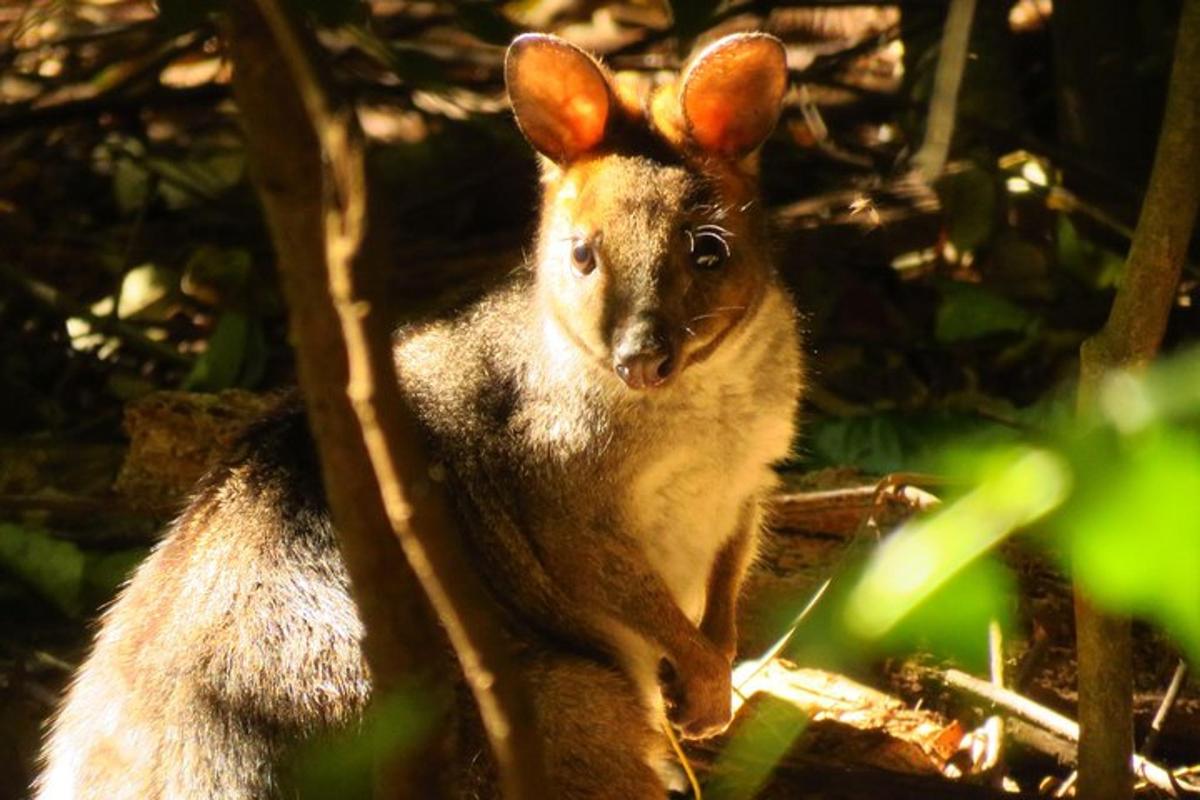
(651, 247)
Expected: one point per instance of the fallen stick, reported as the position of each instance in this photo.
(1052, 721)
(1164, 708)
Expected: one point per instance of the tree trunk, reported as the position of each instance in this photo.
(1129, 340)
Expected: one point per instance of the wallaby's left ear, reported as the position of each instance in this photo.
(731, 93)
(560, 95)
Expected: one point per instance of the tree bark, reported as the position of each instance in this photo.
(1129, 340)
(393, 522)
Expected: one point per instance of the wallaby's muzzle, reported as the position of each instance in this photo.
(643, 354)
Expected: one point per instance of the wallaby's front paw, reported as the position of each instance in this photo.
(698, 692)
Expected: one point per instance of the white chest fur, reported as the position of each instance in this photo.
(707, 455)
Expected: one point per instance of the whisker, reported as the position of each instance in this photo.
(716, 312)
(715, 229)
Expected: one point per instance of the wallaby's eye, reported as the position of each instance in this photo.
(583, 258)
(709, 246)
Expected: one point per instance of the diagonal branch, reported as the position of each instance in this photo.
(308, 156)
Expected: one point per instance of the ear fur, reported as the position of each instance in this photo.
(731, 93)
(560, 95)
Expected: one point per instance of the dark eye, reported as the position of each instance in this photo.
(583, 258)
(709, 247)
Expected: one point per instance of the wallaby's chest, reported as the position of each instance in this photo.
(684, 495)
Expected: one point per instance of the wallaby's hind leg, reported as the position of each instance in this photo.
(598, 737)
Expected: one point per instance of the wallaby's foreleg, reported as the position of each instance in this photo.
(725, 582)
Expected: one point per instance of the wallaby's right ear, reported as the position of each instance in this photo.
(560, 95)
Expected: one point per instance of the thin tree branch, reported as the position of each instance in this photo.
(930, 160)
(1129, 340)
(308, 154)
(1134, 330)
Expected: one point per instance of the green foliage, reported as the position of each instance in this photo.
(969, 197)
(1089, 262)
(916, 567)
(74, 581)
(1129, 533)
(894, 441)
(212, 166)
(341, 765)
(52, 567)
(968, 312)
(758, 744)
(1117, 493)
(236, 355)
(1112, 492)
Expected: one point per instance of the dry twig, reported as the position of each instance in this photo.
(1052, 721)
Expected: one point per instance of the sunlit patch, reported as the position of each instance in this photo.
(1126, 402)
(1035, 173)
(190, 72)
(1017, 186)
(914, 260)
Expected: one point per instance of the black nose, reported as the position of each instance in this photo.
(642, 357)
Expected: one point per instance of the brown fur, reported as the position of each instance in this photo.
(614, 524)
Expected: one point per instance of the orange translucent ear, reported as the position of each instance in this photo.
(560, 95)
(731, 93)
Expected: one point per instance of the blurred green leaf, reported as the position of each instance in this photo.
(927, 553)
(202, 177)
(756, 746)
(1133, 531)
(222, 273)
(105, 573)
(340, 765)
(1091, 263)
(1169, 393)
(54, 568)
(968, 311)
(131, 185)
(968, 199)
(236, 355)
(950, 622)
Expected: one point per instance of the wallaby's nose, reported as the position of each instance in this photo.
(643, 357)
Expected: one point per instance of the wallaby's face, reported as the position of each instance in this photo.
(651, 246)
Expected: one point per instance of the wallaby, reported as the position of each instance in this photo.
(607, 422)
